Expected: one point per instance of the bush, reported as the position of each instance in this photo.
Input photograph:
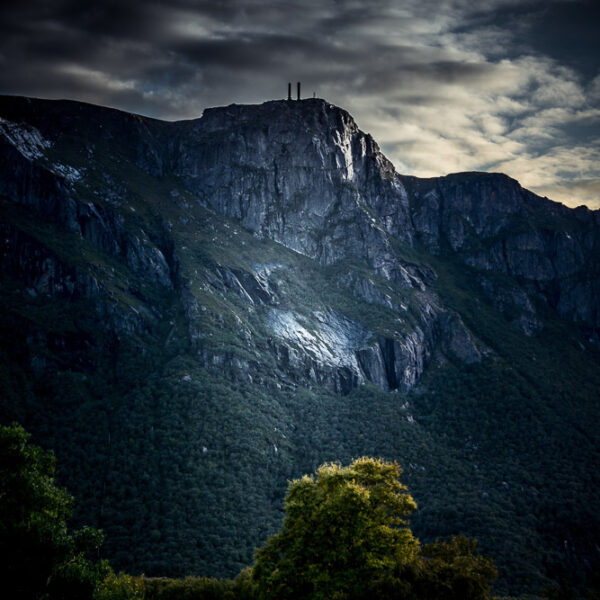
(120, 587)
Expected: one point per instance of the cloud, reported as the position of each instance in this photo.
(575, 193)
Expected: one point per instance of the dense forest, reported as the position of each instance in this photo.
(482, 451)
(346, 535)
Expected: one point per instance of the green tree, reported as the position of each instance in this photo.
(344, 531)
(453, 570)
(120, 587)
(41, 558)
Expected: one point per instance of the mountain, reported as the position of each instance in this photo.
(195, 312)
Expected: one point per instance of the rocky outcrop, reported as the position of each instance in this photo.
(40, 271)
(301, 175)
(38, 275)
(331, 350)
(492, 224)
(39, 185)
(328, 349)
(59, 247)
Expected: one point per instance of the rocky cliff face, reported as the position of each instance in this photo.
(303, 176)
(490, 222)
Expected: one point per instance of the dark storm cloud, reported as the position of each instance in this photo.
(567, 31)
(444, 85)
(106, 18)
(250, 49)
(127, 41)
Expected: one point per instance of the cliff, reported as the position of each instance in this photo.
(273, 247)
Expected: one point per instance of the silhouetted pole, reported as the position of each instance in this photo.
(289, 91)
(298, 90)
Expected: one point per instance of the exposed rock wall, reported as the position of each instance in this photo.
(491, 223)
(299, 173)
(303, 175)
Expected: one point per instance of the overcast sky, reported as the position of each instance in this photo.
(443, 86)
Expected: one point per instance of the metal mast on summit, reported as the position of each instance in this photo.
(290, 90)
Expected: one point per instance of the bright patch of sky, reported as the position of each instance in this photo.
(442, 85)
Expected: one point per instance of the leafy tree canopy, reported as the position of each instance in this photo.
(40, 557)
(344, 529)
(346, 536)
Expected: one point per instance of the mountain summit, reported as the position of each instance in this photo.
(223, 303)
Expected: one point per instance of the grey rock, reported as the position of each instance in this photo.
(302, 175)
(492, 224)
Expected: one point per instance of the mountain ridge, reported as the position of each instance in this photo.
(270, 253)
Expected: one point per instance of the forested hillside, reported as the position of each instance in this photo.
(195, 313)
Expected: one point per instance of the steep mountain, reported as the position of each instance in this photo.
(195, 312)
